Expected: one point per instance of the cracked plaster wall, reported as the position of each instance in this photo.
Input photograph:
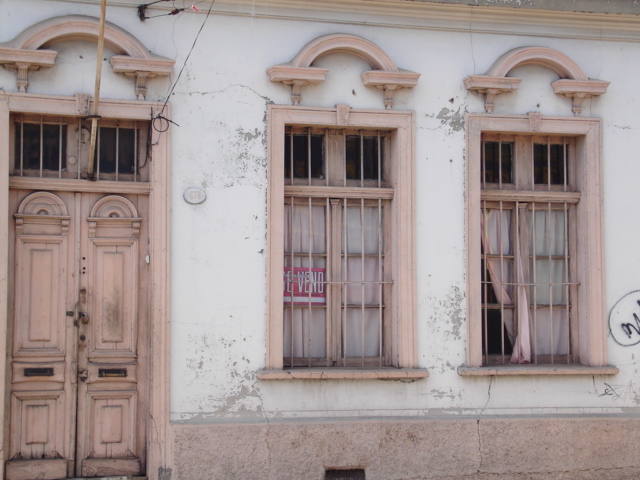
(218, 247)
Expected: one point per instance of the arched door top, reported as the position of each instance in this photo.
(385, 75)
(28, 51)
(573, 82)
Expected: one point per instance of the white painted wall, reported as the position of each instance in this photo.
(218, 247)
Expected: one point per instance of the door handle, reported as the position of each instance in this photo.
(84, 317)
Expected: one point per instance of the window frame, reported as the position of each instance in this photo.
(402, 327)
(342, 193)
(512, 197)
(591, 337)
(78, 147)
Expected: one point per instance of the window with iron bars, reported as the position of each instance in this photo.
(528, 240)
(58, 147)
(337, 273)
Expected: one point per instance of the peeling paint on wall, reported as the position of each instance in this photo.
(455, 120)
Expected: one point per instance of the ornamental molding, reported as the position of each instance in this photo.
(114, 212)
(29, 50)
(42, 208)
(498, 19)
(573, 81)
(385, 75)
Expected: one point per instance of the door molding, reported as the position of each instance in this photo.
(159, 433)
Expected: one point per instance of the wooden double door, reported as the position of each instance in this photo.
(79, 328)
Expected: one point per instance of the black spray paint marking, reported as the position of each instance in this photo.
(621, 392)
(624, 320)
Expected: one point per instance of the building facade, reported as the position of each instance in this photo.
(348, 239)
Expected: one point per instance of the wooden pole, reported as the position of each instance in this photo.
(96, 97)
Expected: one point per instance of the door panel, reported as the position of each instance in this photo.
(41, 430)
(40, 293)
(108, 417)
(114, 310)
(78, 407)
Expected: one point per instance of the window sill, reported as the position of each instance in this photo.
(381, 373)
(536, 370)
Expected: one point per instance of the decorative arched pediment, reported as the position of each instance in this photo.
(42, 208)
(42, 203)
(114, 206)
(385, 74)
(28, 51)
(115, 214)
(573, 82)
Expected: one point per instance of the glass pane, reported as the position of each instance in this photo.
(300, 158)
(126, 150)
(30, 146)
(308, 337)
(369, 234)
(51, 147)
(497, 281)
(107, 150)
(304, 229)
(549, 232)
(355, 321)
(549, 279)
(543, 166)
(498, 168)
(550, 333)
(356, 288)
(363, 154)
(496, 226)
(495, 331)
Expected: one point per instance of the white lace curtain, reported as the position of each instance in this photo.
(305, 327)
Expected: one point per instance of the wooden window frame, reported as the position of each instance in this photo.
(80, 148)
(338, 194)
(400, 219)
(592, 334)
(523, 192)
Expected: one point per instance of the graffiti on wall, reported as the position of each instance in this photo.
(624, 320)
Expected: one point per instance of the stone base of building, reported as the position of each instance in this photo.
(549, 448)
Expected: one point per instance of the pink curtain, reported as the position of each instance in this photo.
(496, 240)
(542, 325)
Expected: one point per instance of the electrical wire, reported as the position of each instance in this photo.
(143, 8)
(160, 116)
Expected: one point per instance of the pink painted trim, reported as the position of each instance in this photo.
(592, 341)
(573, 81)
(385, 74)
(25, 52)
(344, 43)
(552, 59)
(403, 332)
(519, 370)
(58, 29)
(344, 374)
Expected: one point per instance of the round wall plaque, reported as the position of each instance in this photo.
(195, 195)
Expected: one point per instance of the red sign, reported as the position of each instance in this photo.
(304, 285)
